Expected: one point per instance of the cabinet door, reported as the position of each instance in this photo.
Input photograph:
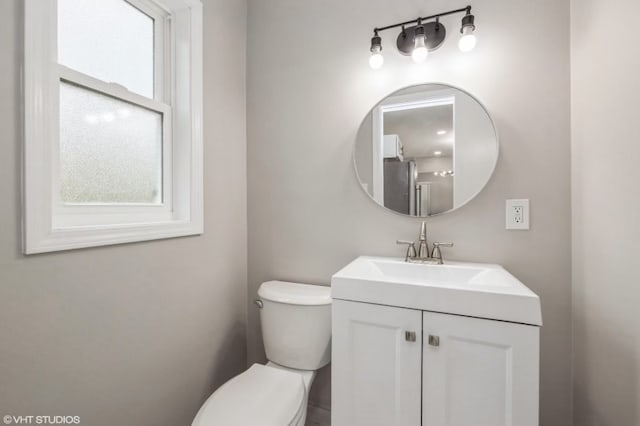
(479, 373)
(375, 371)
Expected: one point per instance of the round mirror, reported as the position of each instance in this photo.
(426, 150)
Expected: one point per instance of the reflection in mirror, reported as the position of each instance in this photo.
(425, 150)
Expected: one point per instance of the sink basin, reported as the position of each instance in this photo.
(470, 289)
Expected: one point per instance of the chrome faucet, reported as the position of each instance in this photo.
(422, 255)
(423, 251)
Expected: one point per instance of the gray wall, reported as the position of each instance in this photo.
(606, 207)
(309, 87)
(136, 334)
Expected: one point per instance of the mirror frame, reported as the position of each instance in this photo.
(446, 85)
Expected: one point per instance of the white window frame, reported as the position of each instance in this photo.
(51, 225)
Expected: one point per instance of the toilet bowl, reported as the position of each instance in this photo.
(296, 328)
(262, 395)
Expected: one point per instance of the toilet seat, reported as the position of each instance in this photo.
(262, 395)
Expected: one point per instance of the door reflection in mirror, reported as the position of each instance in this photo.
(425, 150)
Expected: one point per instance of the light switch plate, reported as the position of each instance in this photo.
(517, 214)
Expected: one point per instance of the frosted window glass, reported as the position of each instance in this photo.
(109, 40)
(110, 150)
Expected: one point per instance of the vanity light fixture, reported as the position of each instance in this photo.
(441, 132)
(419, 39)
(437, 153)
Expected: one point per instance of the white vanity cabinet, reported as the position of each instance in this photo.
(375, 366)
(433, 345)
(478, 372)
(396, 366)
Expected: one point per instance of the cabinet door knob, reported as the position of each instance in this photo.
(410, 336)
(434, 340)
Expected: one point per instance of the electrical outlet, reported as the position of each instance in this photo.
(517, 214)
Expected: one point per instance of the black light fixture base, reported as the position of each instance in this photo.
(435, 32)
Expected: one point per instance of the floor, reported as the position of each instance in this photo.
(318, 416)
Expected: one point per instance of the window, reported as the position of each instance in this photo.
(113, 122)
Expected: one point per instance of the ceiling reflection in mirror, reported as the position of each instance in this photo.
(425, 150)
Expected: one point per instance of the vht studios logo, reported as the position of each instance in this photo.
(41, 420)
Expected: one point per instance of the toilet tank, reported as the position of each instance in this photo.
(296, 324)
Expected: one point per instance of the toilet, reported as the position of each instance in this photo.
(296, 329)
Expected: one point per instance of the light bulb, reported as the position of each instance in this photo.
(468, 40)
(420, 52)
(376, 59)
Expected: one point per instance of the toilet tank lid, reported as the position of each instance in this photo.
(295, 293)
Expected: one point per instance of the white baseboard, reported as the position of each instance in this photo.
(318, 416)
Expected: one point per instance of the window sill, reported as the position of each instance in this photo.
(95, 236)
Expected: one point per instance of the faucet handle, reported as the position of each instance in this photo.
(436, 253)
(411, 249)
(404, 242)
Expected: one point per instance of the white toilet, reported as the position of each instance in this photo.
(296, 329)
